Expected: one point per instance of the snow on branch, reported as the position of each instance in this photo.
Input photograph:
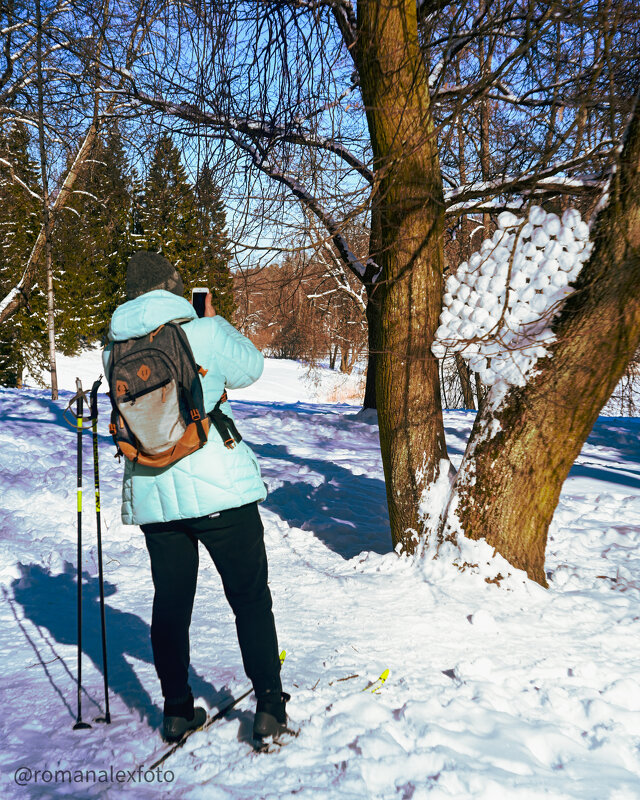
(549, 180)
(307, 199)
(457, 44)
(256, 129)
(16, 179)
(335, 270)
(9, 301)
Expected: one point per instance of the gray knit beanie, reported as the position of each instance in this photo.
(147, 271)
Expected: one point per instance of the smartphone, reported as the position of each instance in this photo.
(198, 296)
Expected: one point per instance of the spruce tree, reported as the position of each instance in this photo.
(215, 243)
(24, 335)
(187, 225)
(168, 214)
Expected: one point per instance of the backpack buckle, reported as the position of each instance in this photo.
(230, 443)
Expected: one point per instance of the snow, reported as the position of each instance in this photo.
(497, 687)
(508, 293)
(282, 379)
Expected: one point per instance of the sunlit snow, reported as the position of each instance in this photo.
(497, 687)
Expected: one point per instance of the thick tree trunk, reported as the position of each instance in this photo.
(509, 483)
(410, 202)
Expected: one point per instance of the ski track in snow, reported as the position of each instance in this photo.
(495, 691)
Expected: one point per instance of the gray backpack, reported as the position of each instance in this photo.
(158, 414)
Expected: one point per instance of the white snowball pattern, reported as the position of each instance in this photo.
(501, 329)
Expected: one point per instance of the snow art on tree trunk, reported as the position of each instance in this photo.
(498, 306)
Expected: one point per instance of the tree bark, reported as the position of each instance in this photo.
(409, 199)
(372, 310)
(509, 483)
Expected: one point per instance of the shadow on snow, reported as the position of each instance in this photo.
(50, 602)
(347, 512)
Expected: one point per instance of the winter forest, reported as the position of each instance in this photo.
(426, 215)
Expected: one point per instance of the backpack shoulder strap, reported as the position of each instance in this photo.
(184, 341)
(225, 426)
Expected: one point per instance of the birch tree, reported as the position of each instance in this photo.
(73, 109)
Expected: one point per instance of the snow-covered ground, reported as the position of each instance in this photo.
(281, 381)
(496, 690)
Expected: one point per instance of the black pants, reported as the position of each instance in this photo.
(235, 541)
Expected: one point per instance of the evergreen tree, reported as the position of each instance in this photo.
(24, 335)
(92, 245)
(168, 214)
(215, 243)
(186, 225)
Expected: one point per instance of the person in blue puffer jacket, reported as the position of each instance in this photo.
(211, 497)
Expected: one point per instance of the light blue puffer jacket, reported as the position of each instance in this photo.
(213, 478)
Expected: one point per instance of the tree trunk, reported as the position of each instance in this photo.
(481, 391)
(51, 330)
(345, 362)
(408, 189)
(464, 373)
(333, 354)
(46, 214)
(509, 484)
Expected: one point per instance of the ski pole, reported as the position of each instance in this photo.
(96, 481)
(79, 397)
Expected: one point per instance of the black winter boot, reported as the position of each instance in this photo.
(180, 717)
(271, 716)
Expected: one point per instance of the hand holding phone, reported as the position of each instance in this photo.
(198, 299)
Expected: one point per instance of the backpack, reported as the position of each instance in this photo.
(158, 414)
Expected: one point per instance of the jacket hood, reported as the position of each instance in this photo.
(146, 313)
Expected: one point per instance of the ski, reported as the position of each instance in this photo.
(210, 720)
(375, 686)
